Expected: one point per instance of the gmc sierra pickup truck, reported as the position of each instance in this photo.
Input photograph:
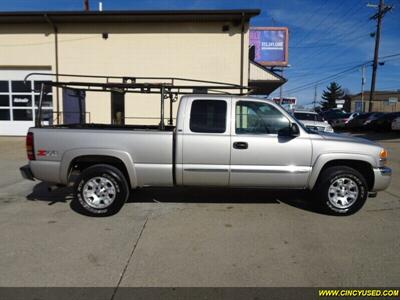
(227, 141)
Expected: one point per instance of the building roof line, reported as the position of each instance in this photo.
(128, 15)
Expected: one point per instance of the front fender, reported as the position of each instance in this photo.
(125, 157)
(323, 159)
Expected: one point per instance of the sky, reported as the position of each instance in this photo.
(328, 39)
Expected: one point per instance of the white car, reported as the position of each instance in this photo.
(312, 120)
(396, 124)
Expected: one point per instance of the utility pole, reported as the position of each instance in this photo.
(382, 10)
(362, 88)
(86, 5)
(315, 96)
(281, 91)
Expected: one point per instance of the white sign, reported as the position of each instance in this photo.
(21, 100)
(392, 100)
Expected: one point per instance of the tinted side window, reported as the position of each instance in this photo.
(208, 116)
(259, 118)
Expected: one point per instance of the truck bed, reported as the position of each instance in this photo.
(148, 150)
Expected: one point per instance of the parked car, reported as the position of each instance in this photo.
(357, 122)
(384, 122)
(336, 117)
(370, 121)
(352, 116)
(312, 120)
(396, 124)
(371, 118)
(219, 140)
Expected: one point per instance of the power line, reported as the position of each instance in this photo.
(350, 36)
(347, 35)
(323, 20)
(322, 45)
(339, 74)
(309, 18)
(307, 85)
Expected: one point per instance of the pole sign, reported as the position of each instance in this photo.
(271, 45)
(285, 100)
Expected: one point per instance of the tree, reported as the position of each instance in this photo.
(332, 93)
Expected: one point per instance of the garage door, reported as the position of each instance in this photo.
(18, 102)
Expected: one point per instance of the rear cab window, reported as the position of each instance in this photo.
(208, 116)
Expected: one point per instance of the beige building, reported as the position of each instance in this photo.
(384, 101)
(204, 45)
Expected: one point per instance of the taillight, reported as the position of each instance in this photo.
(29, 146)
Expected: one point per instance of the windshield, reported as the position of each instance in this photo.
(308, 116)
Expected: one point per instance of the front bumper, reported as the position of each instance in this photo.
(383, 176)
(26, 172)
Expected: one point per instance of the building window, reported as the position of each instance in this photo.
(3, 86)
(46, 102)
(38, 85)
(22, 115)
(4, 115)
(4, 100)
(46, 117)
(18, 101)
(208, 116)
(20, 86)
(21, 100)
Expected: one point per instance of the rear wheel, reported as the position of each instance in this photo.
(101, 190)
(341, 190)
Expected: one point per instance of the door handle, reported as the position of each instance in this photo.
(240, 145)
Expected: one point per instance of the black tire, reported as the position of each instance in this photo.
(330, 176)
(106, 176)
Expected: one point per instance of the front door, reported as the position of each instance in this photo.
(260, 155)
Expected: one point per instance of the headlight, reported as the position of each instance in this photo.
(329, 128)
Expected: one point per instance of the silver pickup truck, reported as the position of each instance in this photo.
(226, 141)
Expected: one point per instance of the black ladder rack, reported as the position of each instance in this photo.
(166, 87)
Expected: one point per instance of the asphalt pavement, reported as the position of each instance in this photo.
(194, 237)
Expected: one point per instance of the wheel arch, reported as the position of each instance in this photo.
(361, 163)
(83, 158)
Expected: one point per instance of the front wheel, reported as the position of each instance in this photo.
(341, 190)
(101, 190)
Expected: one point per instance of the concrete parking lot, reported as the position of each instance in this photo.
(194, 237)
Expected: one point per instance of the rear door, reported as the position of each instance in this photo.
(205, 140)
(260, 155)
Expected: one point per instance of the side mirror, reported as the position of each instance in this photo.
(292, 130)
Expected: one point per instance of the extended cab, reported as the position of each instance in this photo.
(217, 141)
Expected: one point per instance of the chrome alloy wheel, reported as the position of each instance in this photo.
(343, 192)
(99, 192)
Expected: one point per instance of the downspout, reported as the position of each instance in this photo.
(241, 51)
(55, 30)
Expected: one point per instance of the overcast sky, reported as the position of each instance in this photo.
(326, 36)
